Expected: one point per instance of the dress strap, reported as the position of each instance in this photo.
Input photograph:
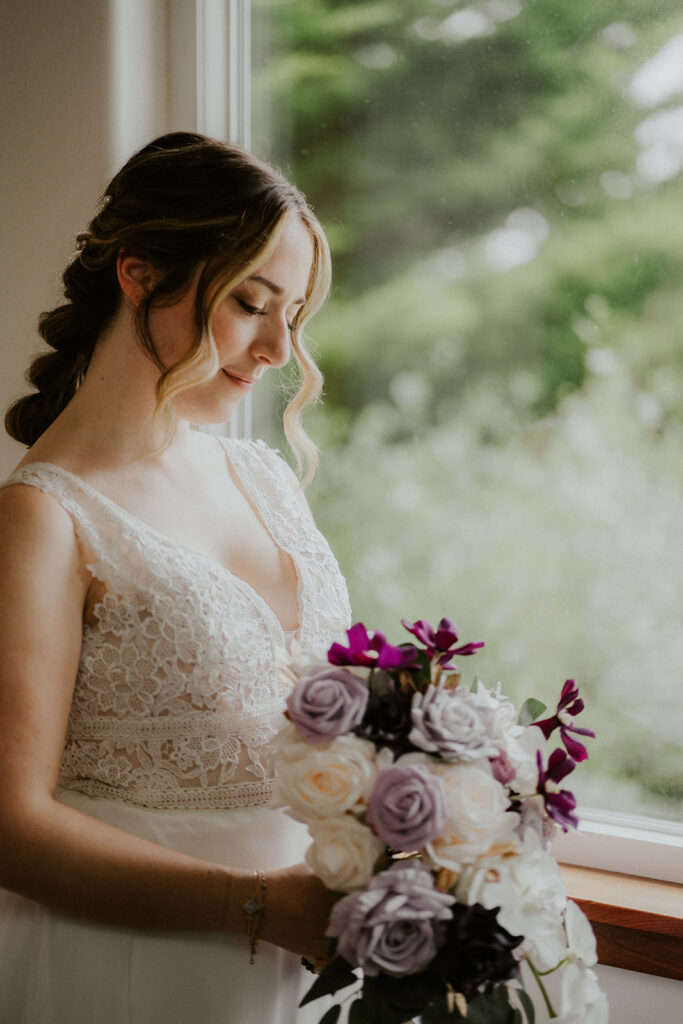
(95, 524)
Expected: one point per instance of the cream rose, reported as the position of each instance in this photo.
(326, 781)
(343, 853)
(478, 818)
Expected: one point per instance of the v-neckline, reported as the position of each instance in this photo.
(251, 591)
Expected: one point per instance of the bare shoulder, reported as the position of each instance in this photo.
(27, 508)
(35, 531)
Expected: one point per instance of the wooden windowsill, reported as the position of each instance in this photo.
(638, 922)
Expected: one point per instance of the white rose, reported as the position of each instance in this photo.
(531, 894)
(455, 724)
(325, 781)
(583, 1001)
(477, 815)
(343, 853)
(580, 937)
(518, 742)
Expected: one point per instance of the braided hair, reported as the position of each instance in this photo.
(182, 202)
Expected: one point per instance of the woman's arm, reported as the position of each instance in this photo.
(52, 853)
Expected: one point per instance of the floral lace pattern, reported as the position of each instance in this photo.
(177, 694)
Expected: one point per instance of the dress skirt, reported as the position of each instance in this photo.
(57, 970)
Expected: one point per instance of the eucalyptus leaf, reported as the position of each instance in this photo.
(531, 709)
(359, 1013)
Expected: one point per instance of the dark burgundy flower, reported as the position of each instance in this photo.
(477, 950)
(570, 704)
(559, 803)
(440, 641)
(387, 721)
(372, 651)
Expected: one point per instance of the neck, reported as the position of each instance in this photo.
(111, 417)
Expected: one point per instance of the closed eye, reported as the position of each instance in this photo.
(257, 311)
(248, 308)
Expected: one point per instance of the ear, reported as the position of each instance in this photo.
(136, 275)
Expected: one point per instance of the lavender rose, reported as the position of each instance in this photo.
(453, 724)
(396, 925)
(407, 807)
(327, 702)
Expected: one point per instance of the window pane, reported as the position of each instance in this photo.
(502, 187)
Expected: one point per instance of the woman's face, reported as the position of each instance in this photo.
(251, 327)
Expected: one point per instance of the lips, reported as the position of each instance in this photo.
(238, 378)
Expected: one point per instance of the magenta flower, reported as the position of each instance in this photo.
(440, 640)
(407, 807)
(559, 803)
(570, 704)
(372, 651)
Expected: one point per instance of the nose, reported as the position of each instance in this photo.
(273, 345)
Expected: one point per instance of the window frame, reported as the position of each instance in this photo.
(618, 843)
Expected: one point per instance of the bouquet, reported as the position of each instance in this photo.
(431, 805)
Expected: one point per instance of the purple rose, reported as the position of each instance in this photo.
(395, 925)
(327, 702)
(407, 807)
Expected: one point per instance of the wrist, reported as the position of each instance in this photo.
(239, 887)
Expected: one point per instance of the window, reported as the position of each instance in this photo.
(503, 421)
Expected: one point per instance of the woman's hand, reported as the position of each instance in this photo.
(297, 912)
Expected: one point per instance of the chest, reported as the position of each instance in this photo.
(216, 519)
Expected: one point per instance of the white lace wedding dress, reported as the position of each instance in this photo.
(176, 701)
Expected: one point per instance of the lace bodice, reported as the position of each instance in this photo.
(177, 694)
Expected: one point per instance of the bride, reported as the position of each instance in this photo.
(150, 575)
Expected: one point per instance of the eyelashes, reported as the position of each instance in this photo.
(257, 311)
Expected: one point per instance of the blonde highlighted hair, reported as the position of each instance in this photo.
(183, 202)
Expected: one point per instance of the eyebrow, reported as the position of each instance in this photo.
(274, 288)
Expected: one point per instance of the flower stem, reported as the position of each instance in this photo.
(537, 975)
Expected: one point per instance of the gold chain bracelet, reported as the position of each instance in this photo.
(255, 909)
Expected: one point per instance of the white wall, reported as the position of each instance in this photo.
(71, 109)
(55, 131)
(82, 83)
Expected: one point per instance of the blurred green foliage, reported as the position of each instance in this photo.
(503, 348)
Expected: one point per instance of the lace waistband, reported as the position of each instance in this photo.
(242, 794)
(197, 724)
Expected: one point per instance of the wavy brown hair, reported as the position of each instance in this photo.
(182, 202)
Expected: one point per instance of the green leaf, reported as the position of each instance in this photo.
(338, 974)
(525, 1000)
(359, 1013)
(530, 711)
(491, 1008)
(332, 1015)
(379, 996)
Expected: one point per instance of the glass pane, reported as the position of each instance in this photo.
(502, 187)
